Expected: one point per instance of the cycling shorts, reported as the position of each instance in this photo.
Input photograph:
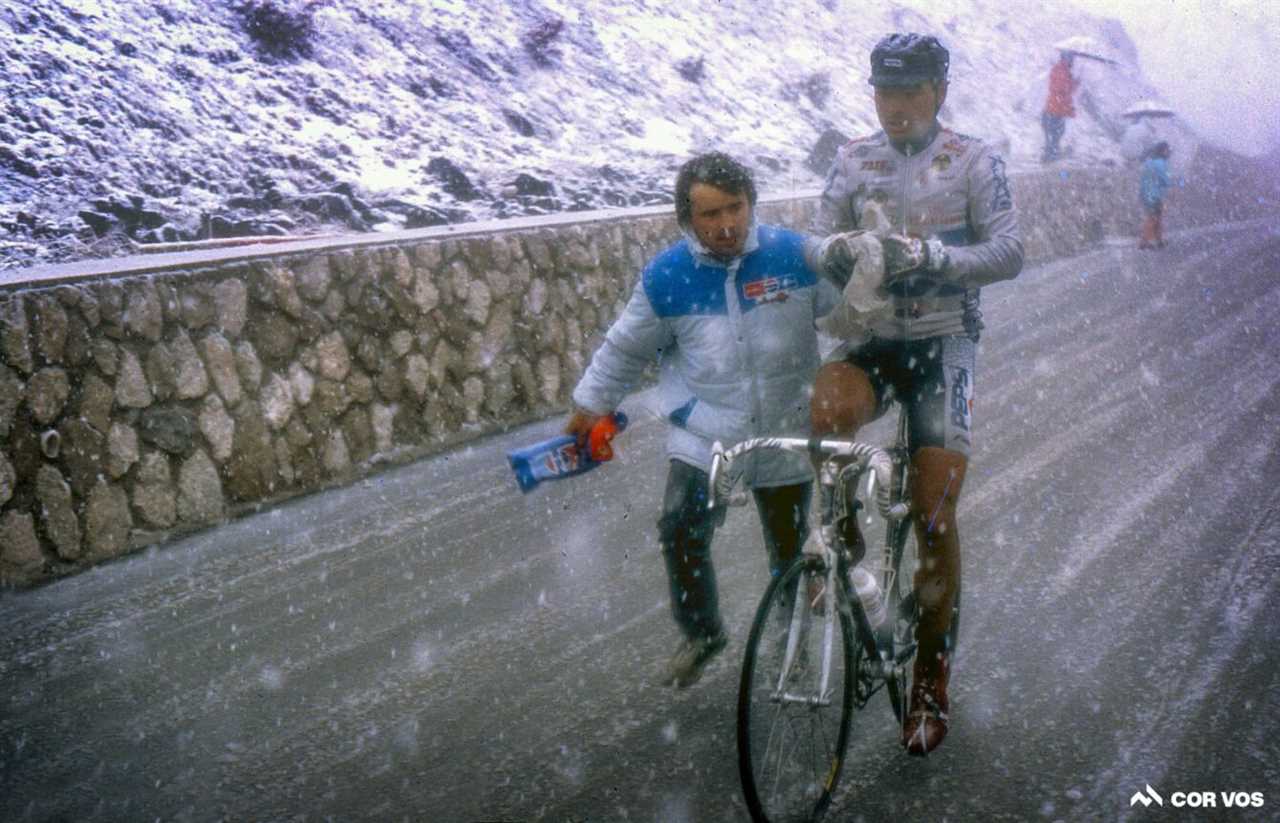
(933, 378)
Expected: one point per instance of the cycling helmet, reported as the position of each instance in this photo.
(907, 60)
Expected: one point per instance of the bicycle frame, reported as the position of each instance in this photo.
(843, 464)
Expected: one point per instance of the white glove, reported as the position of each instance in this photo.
(865, 300)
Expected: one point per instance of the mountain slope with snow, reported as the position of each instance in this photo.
(181, 119)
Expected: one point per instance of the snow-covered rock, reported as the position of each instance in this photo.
(181, 119)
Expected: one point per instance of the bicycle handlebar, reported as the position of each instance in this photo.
(865, 455)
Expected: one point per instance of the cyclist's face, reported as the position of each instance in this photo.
(720, 219)
(908, 112)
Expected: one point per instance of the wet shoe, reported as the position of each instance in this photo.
(927, 721)
(687, 664)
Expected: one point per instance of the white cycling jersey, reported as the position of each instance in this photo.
(956, 189)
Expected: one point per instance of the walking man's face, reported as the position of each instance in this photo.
(720, 219)
(908, 112)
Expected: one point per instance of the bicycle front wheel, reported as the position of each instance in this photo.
(796, 695)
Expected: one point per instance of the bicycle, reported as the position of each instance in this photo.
(797, 672)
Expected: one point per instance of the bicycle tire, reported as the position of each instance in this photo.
(790, 754)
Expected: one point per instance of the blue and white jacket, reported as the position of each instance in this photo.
(736, 347)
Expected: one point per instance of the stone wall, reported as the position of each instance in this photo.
(148, 397)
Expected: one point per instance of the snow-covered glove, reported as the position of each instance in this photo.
(904, 254)
(838, 254)
(866, 302)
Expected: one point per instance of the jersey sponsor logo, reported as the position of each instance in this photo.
(882, 166)
(941, 162)
(961, 402)
(771, 289)
(1001, 197)
(956, 145)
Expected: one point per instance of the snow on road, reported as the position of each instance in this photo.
(430, 644)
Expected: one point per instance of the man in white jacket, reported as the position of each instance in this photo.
(728, 312)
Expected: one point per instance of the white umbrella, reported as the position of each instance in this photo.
(1084, 46)
(1148, 108)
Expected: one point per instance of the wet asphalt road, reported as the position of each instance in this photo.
(430, 645)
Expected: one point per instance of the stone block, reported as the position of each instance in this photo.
(274, 337)
(12, 393)
(107, 521)
(360, 387)
(357, 431)
(169, 428)
(220, 363)
(8, 479)
(21, 560)
(51, 328)
(79, 346)
(302, 382)
(122, 450)
(250, 472)
(132, 389)
(58, 513)
(333, 360)
(231, 306)
(143, 314)
(83, 453)
(217, 427)
(196, 306)
(382, 420)
(105, 356)
(277, 402)
(162, 372)
(199, 491)
(15, 334)
(248, 366)
(335, 458)
(312, 276)
(191, 380)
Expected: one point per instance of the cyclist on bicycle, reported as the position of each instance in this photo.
(728, 312)
(948, 201)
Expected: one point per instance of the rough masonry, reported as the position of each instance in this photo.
(137, 407)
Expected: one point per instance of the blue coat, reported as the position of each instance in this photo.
(735, 343)
(1155, 180)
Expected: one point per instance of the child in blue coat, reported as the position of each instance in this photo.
(1152, 186)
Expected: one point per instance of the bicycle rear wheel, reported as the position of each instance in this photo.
(796, 696)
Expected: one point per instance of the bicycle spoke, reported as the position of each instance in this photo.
(795, 699)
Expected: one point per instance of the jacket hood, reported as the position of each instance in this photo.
(706, 258)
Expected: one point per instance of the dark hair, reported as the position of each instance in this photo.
(715, 169)
(1160, 149)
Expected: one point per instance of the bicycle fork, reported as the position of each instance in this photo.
(804, 608)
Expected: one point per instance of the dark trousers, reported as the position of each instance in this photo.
(685, 530)
(1053, 129)
(1152, 226)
